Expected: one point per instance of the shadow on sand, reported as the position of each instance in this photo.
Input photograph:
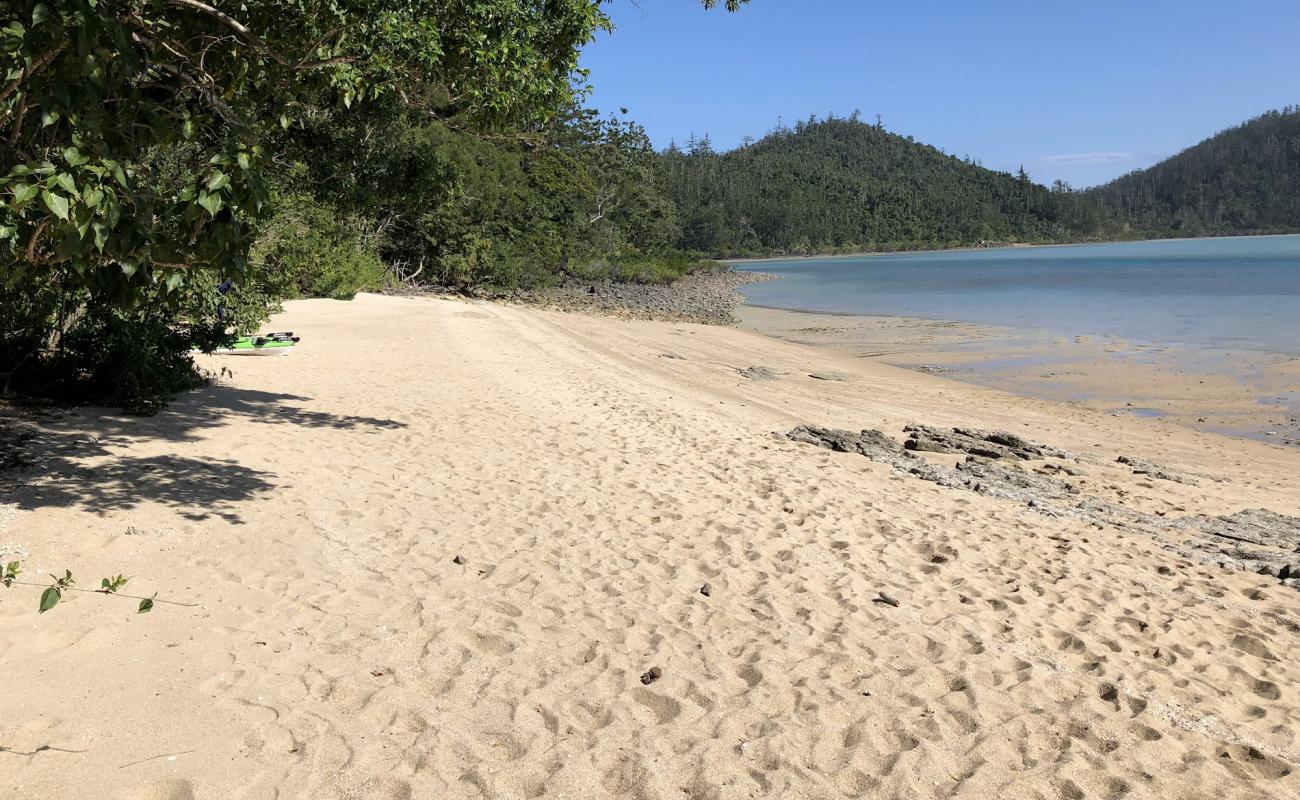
(75, 458)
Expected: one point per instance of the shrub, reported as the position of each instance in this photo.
(308, 250)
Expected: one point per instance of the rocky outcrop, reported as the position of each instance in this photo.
(1258, 540)
(708, 297)
(971, 441)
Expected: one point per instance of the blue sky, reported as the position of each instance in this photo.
(1082, 90)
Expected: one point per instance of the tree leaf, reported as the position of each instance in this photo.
(218, 181)
(211, 203)
(40, 14)
(49, 599)
(57, 205)
(146, 606)
(74, 157)
(24, 192)
(65, 180)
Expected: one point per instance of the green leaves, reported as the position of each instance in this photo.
(25, 193)
(57, 205)
(50, 598)
(53, 594)
(111, 585)
(211, 203)
(65, 181)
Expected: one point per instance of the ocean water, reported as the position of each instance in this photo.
(1207, 293)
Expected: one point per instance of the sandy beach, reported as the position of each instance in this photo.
(1241, 392)
(453, 549)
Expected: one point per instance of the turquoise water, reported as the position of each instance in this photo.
(1219, 293)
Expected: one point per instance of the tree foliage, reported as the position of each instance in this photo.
(1243, 180)
(841, 184)
(136, 130)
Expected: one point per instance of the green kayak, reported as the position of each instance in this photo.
(267, 344)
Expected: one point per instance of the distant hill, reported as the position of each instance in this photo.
(1243, 180)
(843, 185)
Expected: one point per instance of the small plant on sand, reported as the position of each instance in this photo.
(54, 591)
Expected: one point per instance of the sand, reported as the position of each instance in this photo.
(1241, 392)
(592, 474)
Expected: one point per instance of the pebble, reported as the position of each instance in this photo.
(651, 675)
(707, 590)
(458, 560)
(886, 599)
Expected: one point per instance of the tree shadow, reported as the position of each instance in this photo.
(60, 458)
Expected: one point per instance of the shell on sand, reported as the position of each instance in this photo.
(313, 507)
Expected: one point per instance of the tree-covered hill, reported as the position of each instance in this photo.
(843, 184)
(1241, 181)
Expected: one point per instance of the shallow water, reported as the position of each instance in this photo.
(1207, 293)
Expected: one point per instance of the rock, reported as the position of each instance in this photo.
(458, 560)
(972, 441)
(886, 599)
(828, 376)
(675, 356)
(651, 675)
(1143, 467)
(1257, 540)
(707, 296)
(759, 373)
(707, 590)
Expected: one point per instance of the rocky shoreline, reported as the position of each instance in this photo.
(709, 297)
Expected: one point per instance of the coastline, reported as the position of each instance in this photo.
(1251, 394)
(570, 554)
(978, 248)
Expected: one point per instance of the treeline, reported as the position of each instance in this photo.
(835, 185)
(424, 202)
(169, 175)
(1244, 180)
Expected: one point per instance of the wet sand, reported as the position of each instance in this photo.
(1238, 392)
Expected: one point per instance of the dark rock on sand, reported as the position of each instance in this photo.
(759, 373)
(707, 590)
(1141, 466)
(708, 297)
(458, 560)
(886, 600)
(828, 376)
(651, 675)
(1257, 540)
(988, 444)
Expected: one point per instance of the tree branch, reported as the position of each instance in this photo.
(31, 69)
(230, 22)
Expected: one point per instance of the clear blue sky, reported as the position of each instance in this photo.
(1082, 90)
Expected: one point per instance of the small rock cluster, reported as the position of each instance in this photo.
(1257, 540)
(707, 297)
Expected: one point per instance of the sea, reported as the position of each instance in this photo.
(1238, 293)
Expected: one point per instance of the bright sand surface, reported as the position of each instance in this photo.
(593, 474)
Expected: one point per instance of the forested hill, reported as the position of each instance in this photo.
(843, 184)
(1244, 180)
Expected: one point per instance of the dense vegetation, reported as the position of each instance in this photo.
(842, 184)
(154, 150)
(1244, 180)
